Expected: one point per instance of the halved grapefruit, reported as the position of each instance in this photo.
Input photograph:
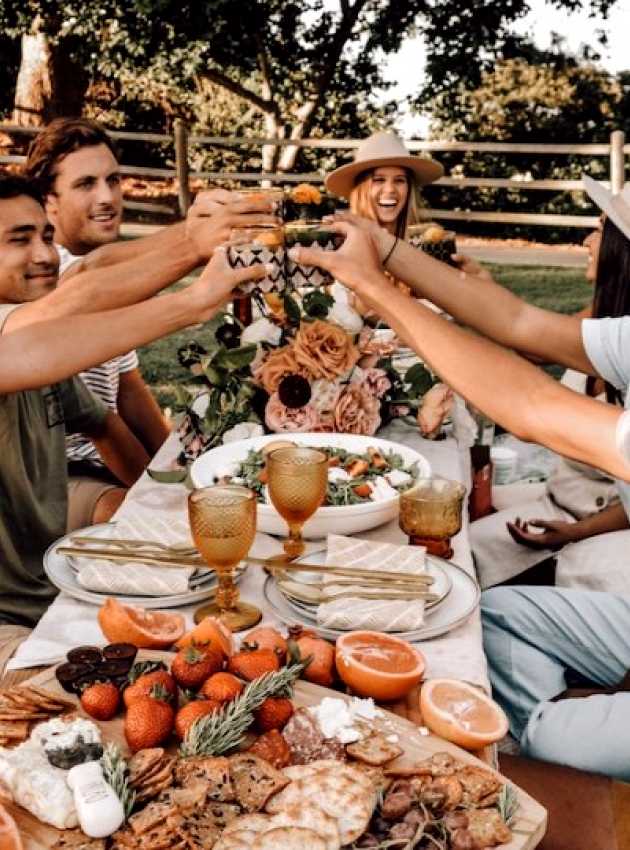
(145, 628)
(462, 714)
(378, 665)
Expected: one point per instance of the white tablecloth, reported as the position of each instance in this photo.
(458, 654)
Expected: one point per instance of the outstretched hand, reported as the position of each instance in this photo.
(354, 263)
(216, 284)
(554, 536)
(215, 213)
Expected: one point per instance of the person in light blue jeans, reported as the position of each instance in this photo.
(532, 637)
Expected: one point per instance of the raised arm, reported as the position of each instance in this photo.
(511, 391)
(209, 224)
(482, 304)
(46, 352)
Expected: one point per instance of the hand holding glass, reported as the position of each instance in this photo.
(297, 478)
(223, 526)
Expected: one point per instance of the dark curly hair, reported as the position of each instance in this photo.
(14, 186)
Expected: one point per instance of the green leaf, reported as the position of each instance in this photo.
(317, 303)
(292, 309)
(420, 378)
(236, 358)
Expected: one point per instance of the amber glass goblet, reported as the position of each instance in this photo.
(223, 526)
(431, 513)
(297, 478)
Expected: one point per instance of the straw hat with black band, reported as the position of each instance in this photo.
(616, 207)
(378, 150)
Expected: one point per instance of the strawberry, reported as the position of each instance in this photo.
(306, 645)
(191, 712)
(192, 666)
(250, 665)
(100, 700)
(149, 720)
(274, 713)
(264, 637)
(222, 687)
(145, 683)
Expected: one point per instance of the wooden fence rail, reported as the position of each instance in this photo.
(181, 142)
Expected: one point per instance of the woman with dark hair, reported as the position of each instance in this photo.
(580, 501)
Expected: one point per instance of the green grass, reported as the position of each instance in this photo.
(563, 290)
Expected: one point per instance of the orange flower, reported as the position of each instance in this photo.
(304, 193)
(279, 363)
(323, 350)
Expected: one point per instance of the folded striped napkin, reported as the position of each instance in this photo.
(383, 616)
(119, 579)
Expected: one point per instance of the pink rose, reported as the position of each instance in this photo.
(278, 417)
(357, 412)
(375, 381)
(325, 395)
(375, 342)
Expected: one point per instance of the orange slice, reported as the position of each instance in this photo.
(462, 714)
(9, 835)
(146, 629)
(209, 632)
(378, 665)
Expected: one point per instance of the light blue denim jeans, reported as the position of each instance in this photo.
(532, 635)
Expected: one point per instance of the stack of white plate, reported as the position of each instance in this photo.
(62, 570)
(458, 597)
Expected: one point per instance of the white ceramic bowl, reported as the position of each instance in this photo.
(343, 519)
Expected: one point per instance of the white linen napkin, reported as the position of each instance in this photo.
(119, 579)
(377, 615)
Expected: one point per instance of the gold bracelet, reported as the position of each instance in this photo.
(390, 252)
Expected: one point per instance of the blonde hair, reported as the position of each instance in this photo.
(361, 204)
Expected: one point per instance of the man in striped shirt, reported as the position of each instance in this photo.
(76, 163)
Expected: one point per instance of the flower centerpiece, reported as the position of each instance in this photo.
(307, 363)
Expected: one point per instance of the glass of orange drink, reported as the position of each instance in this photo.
(431, 514)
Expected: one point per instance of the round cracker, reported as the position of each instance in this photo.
(289, 838)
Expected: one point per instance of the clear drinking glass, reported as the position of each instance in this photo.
(297, 479)
(431, 513)
(223, 526)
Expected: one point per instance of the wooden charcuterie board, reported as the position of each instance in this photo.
(528, 826)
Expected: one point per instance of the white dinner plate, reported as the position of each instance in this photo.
(341, 519)
(441, 587)
(64, 577)
(104, 529)
(460, 603)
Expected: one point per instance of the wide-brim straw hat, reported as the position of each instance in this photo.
(615, 207)
(378, 150)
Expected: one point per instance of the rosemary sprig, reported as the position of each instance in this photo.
(222, 731)
(507, 803)
(115, 772)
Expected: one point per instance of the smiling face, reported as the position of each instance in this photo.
(85, 205)
(593, 242)
(28, 258)
(389, 190)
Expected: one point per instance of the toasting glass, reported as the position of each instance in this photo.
(223, 525)
(297, 478)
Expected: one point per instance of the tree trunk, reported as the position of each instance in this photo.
(34, 88)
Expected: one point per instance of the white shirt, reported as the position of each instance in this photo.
(607, 345)
(103, 381)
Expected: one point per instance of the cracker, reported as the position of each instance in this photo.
(75, 839)
(375, 750)
(149, 817)
(310, 817)
(23, 714)
(215, 771)
(289, 838)
(255, 781)
(18, 700)
(162, 770)
(64, 702)
(143, 763)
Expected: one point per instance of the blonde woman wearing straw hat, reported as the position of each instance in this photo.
(383, 181)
